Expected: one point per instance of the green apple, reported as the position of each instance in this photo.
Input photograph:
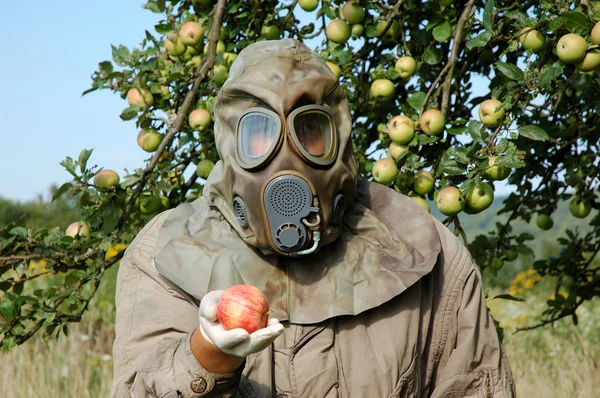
(544, 222)
(494, 172)
(511, 254)
(229, 57)
(401, 129)
(190, 52)
(532, 40)
(392, 34)
(174, 45)
(220, 75)
(423, 182)
(150, 203)
(480, 196)
(571, 48)
(270, 32)
(385, 171)
(579, 207)
(77, 228)
(406, 66)
(309, 5)
(382, 89)
(337, 71)
(205, 166)
(149, 139)
(352, 12)
(396, 150)
(595, 35)
(106, 179)
(590, 62)
(200, 119)
(432, 122)
(449, 201)
(338, 31)
(357, 30)
(220, 47)
(491, 113)
(191, 33)
(421, 201)
(195, 61)
(143, 98)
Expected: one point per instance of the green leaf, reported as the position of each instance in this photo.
(63, 188)
(153, 6)
(457, 130)
(480, 41)
(432, 56)
(130, 112)
(576, 22)
(164, 28)
(84, 155)
(442, 32)
(121, 55)
(416, 100)
(488, 13)
(8, 343)
(534, 133)
(450, 166)
(549, 73)
(106, 67)
(161, 5)
(508, 297)
(523, 237)
(19, 231)
(7, 310)
(511, 71)
(475, 131)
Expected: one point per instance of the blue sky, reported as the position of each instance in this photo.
(49, 51)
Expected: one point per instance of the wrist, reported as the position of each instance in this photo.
(211, 358)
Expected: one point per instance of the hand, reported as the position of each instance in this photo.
(236, 342)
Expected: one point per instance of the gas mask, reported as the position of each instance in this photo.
(283, 133)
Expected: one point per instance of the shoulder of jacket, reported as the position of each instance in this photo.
(146, 240)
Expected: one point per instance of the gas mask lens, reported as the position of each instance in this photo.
(257, 135)
(313, 134)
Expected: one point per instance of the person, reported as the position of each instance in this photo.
(370, 295)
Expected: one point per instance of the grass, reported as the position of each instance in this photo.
(550, 362)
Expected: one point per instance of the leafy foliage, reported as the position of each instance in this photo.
(466, 53)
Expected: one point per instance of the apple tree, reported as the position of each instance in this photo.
(449, 99)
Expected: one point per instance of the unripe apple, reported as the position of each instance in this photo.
(396, 150)
(243, 306)
(385, 171)
(149, 139)
(191, 33)
(382, 89)
(357, 30)
(532, 40)
(229, 57)
(174, 46)
(150, 203)
(205, 166)
(352, 12)
(590, 62)
(220, 47)
(544, 222)
(82, 227)
(432, 122)
(423, 182)
(406, 66)
(496, 173)
(392, 34)
(571, 48)
(270, 32)
(480, 196)
(143, 98)
(195, 61)
(449, 201)
(489, 114)
(338, 31)
(402, 129)
(337, 71)
(421, 201)
(200, 119)
(595, 35)
(579, 207)
(220, 75)
(106, 179)
(309, 5)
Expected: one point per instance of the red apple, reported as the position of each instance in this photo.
(243, 306)
(106, 179)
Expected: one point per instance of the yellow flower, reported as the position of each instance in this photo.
(114, 250)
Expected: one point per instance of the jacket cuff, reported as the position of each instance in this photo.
(192, 380)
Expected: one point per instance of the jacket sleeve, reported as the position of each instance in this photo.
(154, 323)
(473, 362)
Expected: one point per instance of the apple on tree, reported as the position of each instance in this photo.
(382, 89)
(220, 75)
(392, 34)
(269, 32)
(496, 172)
(590, 62)
(338, 31)
(200, 119)
(174, 45)
(150, 203)
(220, 46)
(406, 66)
(480, 196)
(395, 150)
(357, 30)
(243, 306)
(78, 229)
(449, 201)
(595, 35)
(337, 71)
(352, 12)
(421, 201)
(141, 97)
(423, 183)
(204, 167)
(401, 129)
(191, 33)
(106, 179)
(385, 171)
(544, 222)
(580, 207)
(309, 5)
(432, 122)
(491, 113)
(571, 48)
(149, 139)
(532, 40)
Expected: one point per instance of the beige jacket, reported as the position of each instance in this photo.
(436, 339)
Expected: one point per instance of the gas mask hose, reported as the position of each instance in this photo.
(316, 239)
